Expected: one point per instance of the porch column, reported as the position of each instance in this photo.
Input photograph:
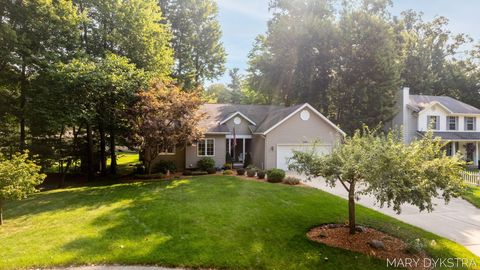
(229, 147)
(475, 156)
(454, 151)
(244, 150)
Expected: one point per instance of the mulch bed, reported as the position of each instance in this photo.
(337, 235)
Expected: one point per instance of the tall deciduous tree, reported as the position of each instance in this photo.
(199, 52)
(235, 85)
(366, 74)
(130, 29)
(33, 34)
(18, 178)
(386, 168)
(165, 117)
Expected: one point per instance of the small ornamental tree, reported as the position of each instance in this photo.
(18, 178)
(164, 117)
(383, 166)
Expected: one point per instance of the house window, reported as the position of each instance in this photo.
(433, 122)
(470, 123)
(452, 122)
(206, 147)
(169, 151)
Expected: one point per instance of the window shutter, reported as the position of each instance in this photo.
(465, 127)
(447, 127)
(437, 122)
(475, 123)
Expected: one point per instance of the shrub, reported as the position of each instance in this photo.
(187, 172)
(291, 181)
(228, 172)
(163, 166)
(248, 161)
(206, 163)
(251, 166)
(240, 171)
(261, 174)
(211, 171)
(251, 173)
(227, 166)
(275, 175)
(415, 246)
(199, 173)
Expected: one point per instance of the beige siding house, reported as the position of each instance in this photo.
(268, 134)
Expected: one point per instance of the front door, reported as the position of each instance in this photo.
(238, 149)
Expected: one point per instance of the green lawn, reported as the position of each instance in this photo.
(472, 195)
(210, 221)
(125, 162)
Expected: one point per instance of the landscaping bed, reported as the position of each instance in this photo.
(368, 241)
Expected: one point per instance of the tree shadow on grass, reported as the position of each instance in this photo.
(90, 198)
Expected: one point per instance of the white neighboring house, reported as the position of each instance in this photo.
(450, 119)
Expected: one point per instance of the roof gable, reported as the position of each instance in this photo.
(450, 104)
(240, 114)
(296, 110)
(263, 118)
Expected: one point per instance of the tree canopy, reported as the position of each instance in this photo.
(384, 167)
(198, 51)
(348, 58)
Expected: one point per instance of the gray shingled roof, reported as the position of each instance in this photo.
(453, 135)
(264, 116)
(456, 106)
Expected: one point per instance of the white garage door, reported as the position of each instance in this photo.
(285, 152)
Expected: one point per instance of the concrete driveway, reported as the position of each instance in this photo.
(458, 221)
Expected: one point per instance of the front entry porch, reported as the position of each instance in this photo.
(238, 148)
(468, 149)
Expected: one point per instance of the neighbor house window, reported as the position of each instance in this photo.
(452, 122)
(206, 147)
(433, 122)
(470, 123)
(169, 151)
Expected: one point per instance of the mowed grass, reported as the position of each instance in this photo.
(210, 221)
(472, 194)
(125, 162)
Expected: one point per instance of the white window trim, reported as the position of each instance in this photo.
(437, 122)
(456, 122)
(205, 140)
(169, 153)
(474, 124)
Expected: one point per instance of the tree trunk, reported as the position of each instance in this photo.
(351, 208)
(103, 156)
(1, 212)
(23, 101)
(64, 174)
(90, 170)
(113, 155)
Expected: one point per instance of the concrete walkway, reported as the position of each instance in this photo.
(458, 221)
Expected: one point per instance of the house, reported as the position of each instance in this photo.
(267, 133)
(450, 119)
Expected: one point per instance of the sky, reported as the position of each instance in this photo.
(243, 20)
